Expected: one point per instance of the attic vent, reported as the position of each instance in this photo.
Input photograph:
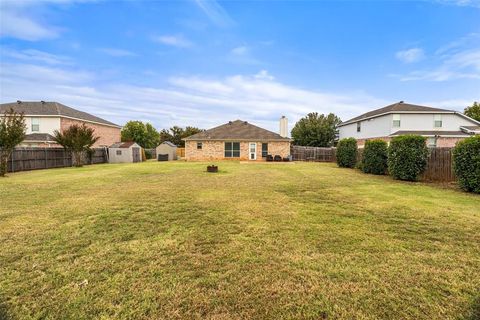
(245, 122)
(401, 101)
(229, 122)
(43, 102)
(18, 101)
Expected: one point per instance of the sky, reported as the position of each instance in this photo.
(203, 63)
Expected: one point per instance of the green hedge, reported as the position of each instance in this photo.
(347, 153)
(466, 163)
(407, 157)
(375, 155)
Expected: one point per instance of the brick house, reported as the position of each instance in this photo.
(237, 140)
(441, 127)
(43, 118)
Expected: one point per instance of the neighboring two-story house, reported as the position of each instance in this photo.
(443, 128)
(43, 118)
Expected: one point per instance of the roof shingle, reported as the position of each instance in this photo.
(47, 108)
(396, 107)
(237, 130)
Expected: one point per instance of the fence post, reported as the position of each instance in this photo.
(13, 154)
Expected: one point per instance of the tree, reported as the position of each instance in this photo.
(175, 134)
(12, 132)
(473, 111)
(316, 130)
(143, 134)
(76, 139)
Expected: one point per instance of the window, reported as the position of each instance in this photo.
(396, 121)
(432, 142)
(119, 152)
(359, 126)
(437, 121)
(232, 149)
(35, 124)
(199, 146)
(264, 150)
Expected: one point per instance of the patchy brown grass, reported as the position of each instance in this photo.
(168, 240)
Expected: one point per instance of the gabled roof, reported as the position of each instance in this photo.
(123, 145)
(42, 137)
(50, 108)
(237, 130)
(399, 107)
(168, 143)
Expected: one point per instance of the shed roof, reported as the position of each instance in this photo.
(237, 130)
(168, 143)
(51, 108)
(123, 145)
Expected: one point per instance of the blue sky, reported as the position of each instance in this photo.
(203, 63)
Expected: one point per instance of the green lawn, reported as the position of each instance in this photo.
(255, 241)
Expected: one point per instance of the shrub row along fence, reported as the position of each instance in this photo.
(300, 153)
(24, 159)
(439, 165)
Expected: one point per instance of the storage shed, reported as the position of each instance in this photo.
(124, 152)
(167, 148)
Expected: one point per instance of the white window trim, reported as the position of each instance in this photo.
(250, 152)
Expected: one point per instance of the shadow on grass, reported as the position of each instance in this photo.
(474, 310)
(3, 312)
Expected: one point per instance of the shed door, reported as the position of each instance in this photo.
(136, 155)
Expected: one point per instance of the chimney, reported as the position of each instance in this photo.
(283, 126)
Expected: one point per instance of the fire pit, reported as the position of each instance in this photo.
(212, 168)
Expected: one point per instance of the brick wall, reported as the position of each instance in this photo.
(108, 135)
(447, 142)
(215, 150)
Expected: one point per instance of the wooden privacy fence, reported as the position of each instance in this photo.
(300, 153)
(181, 152)
(24, 159)
(439, 163)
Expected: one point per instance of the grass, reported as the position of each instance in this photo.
(170, 241)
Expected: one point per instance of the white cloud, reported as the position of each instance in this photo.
(215, 12)
(242, 55)
(410, 55)
(461, 3)
(187, 100)
(16, 22)
(22, 19)
(175, 41)
(117, 52)
(460, 65)
(35, 55)
(240, 51)
(459, 59)
(263, 74)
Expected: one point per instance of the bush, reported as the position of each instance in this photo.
(466, 163)
(347, 153)
(149, 154)
(407, 157)
(375, 157)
